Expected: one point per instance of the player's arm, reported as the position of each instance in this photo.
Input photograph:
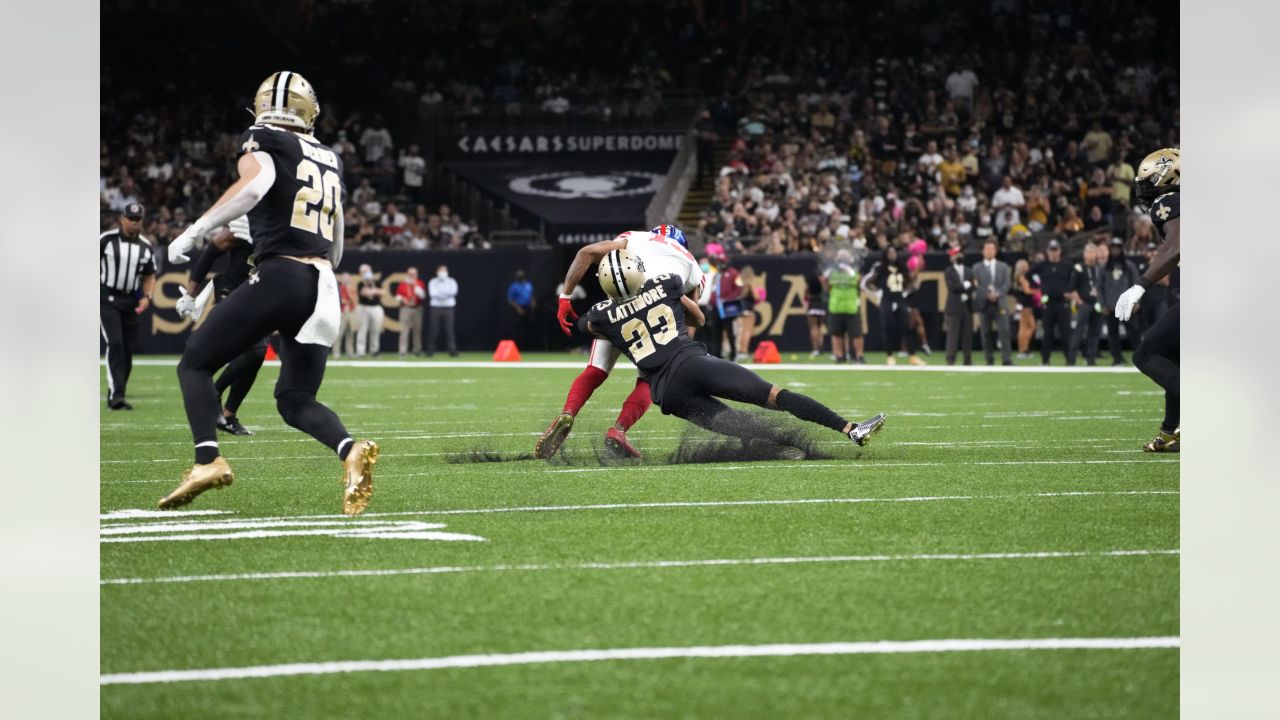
(222, 242)
(693, 316)
(257, 175)
(586, 256)
(1166, 257)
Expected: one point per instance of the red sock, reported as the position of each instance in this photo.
(634, 407)
(583, 385)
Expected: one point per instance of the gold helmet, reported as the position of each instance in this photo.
(621, 274)
(1158, 174)
(286, 98)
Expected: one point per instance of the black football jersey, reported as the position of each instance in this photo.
(299, 213)
(649, 328)
(889, 278)
(1164, 209)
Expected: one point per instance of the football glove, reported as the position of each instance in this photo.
(193, 307)
(240, 228)
(1127, 301)
(565, 315)
(185, 242)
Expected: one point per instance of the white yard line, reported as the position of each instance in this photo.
(881, 647)
(678, 504)
(651, 564)
(579, 364)
(867, 465)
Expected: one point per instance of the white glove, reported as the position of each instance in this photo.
(185, 242)
(193, 307)
(1130, 297)
(240, 228)
(185, 304)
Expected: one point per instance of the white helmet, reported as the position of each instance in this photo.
(621, 274)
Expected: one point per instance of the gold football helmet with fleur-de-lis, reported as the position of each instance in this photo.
(286, 98)
(1158, 174)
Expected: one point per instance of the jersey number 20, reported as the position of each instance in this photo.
(317, 201)
(658, 327)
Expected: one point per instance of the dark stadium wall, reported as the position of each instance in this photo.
(484, 318)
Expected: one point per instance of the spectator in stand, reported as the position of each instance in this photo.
(409, 296)
(349, 322)
(1027, 298)
(815, 304)
(1009, 197)
(413, 168)
(520, 299)
(375, 141)
(369, 300)
(841, 282)
(951, 174)
(931, 158)
(1096, 144)
(1118, 275)
(960, 86)
(958, 311)
(991, 279)
(392, 222)
(444, 301)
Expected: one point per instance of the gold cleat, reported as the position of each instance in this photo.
(1165, 442)
(199, 478)
(549, 444)
(357, 476)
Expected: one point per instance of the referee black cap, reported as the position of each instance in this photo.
(133, 211)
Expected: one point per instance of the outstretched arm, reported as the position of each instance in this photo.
(587, 256)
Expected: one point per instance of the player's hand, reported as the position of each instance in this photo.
(184, 243)
(240, 228)
(1128, 299)
(186, 305)
(566, 316)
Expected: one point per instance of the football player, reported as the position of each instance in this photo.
(645, 319)
(661, 251)
(1156, 187)
(291, 188)
(239, 375)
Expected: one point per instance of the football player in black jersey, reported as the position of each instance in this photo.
(291, 188)
(646, 321)
(238, 377)
(1156, 187)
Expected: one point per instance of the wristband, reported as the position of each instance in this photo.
(565, 297)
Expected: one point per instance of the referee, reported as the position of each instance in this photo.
(125, 266)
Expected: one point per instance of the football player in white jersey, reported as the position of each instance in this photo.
(662, 250)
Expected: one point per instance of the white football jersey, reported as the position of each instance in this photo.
(662, 255)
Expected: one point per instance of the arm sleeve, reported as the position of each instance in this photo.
(205, 263)
(249, 195)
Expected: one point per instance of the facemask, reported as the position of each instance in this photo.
(367, 275)
(442, 274)
(706, 267)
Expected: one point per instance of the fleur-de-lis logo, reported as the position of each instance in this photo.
(250, 145)
(1163, 213)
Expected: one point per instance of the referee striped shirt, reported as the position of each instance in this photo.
(124, 261)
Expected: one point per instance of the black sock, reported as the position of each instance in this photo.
(1172, 412)
(344, 448)
(806, 408)
(206, 454)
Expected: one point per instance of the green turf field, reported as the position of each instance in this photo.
(1009, 507)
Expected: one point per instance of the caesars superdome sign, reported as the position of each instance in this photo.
(495, 145)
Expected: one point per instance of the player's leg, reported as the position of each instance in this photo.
(1157, 357)
(601, 361)
(301, 373)
(236, 380)
(233, 326)
(113, 335)
(633, 408)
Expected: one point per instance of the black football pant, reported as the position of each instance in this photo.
(894, 323)
(120, 332)
(280, 298)
(1057, 321)
(1157, 358)
(691, 393)
(238, 377)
